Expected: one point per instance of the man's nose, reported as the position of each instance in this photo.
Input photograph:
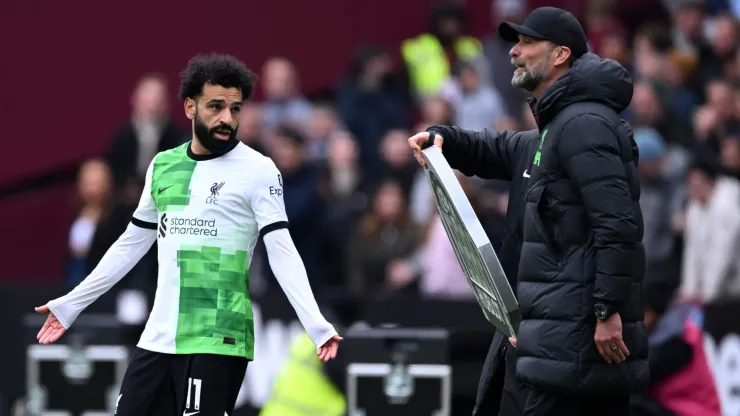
(227, 117)
(514, 51)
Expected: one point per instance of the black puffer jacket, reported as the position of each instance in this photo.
(582, 236)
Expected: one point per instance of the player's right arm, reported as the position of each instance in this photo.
(115, 264)
(487, 154)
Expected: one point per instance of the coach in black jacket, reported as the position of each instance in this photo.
(581, 347)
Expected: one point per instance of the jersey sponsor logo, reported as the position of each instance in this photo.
(163, 226)
(187, 226)
(274, 190)
(160, 190)
(214, 192)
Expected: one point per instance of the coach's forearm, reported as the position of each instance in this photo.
(288, 268)
(120, 258)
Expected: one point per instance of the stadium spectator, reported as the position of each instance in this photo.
(371, 99)
(344, 189)
(94, 189)
(396, 160)
(321, 124)
(303, 204)
(284, 102)
(383, 246)
(477, 105)
(681, 382)
(430, 57)
(251, 130)
(712, 238)
(148, 131)
(496, 52)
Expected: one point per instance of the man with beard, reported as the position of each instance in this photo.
(206, 203)
(574, 222)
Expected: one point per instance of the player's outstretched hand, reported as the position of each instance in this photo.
(52, 329)
(419, 142)
(328, 351)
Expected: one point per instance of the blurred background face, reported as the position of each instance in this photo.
(730, 153)
(394, 149)
(614, 47)
(322, 123)
(650, 168)
(720, 98)
(343, 151)
(94, 182)
(469, 79)
(450, 27)
(378, 66)
(149, 100)
(437, 111)
(389, 202)
(688, 20)
(699, 186)
(646, 105)
(250, 123)
(725, 36)
(279, 79)
(287, 154)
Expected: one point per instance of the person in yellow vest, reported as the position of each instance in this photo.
(306, 386)
(430, 57)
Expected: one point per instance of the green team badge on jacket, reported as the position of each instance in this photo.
(538, 155)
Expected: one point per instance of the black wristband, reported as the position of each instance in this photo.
(432, 132)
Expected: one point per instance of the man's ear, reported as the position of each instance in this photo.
(189, 105)
(562, 55)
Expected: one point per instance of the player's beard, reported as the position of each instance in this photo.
(207, 137)
(530, 77)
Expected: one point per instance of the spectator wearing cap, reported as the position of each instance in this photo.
(681, 382)
(657, 200)
(711, 266)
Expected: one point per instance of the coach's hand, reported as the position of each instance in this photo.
(52, 329)
(328, 351)
(420, 142)
(609, 341)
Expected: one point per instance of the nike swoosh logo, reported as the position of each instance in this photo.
(526, 175)
(160, 190)
(190, 414)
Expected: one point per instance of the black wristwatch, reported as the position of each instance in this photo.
(603, 311)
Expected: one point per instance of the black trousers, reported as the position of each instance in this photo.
(549, 404)
(157, 384)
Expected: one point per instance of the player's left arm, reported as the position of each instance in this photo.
(269, 210)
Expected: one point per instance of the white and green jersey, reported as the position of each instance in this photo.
(208, 213)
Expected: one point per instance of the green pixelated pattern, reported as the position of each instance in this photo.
(213, 302)
(173, 171)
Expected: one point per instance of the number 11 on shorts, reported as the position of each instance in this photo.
(194, 384)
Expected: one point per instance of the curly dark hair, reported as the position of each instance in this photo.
(216, 69)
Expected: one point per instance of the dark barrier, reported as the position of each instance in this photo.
(276, 325)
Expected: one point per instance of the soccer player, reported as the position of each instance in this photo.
(206, 203)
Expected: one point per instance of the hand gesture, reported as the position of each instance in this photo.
(418, 143)
(328, 351)
(52, 329)
(608, 340)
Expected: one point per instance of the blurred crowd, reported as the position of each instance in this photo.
(360, 209)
